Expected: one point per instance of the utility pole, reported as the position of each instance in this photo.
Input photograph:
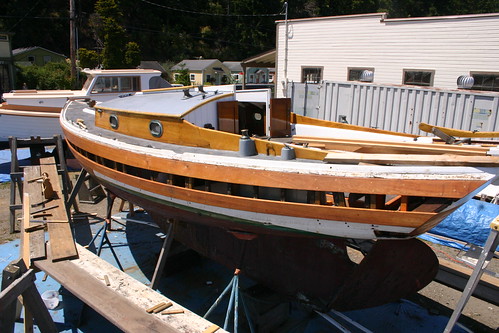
(286, 50)
(72, 40)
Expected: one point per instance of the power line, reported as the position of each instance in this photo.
(209, 14)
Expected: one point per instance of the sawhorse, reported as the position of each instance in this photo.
(487, 253)
(18, 280)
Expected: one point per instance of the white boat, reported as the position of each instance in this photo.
(32, 113)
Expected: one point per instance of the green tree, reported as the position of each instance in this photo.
(88, 58)
(182, 76)
(132, 55)
(113, 33)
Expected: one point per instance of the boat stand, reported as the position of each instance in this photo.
(487, 253)
(160, 265)
(235, 294)
(105, 229)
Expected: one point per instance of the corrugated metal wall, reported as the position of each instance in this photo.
(396, 108)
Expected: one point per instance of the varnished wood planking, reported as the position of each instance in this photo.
(411, 187)
(416, 159)
(299, 119)
(61, 240)
(359, 215)
(390, 147)
(50, 109)
(178, 131)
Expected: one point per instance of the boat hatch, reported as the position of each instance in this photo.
(234, 116)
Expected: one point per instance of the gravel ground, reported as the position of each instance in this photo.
(478, 315)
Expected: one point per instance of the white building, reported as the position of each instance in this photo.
(428, 51)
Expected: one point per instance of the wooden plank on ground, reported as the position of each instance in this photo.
(398, 159)
(125, 301)
(62, 245)
(34, 189)
(456, 276)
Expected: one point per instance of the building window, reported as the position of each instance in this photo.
(418, 77)
(485, 81)
(355, 74)
(311, 74)
(31, 59)
(192, 77)
(176, 76)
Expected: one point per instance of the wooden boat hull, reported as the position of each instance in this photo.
(314, 268)
(284, 223)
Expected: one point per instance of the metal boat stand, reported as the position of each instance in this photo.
(106, 228)
(485, 257)
(235, 294)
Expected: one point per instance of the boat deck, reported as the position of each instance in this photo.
(78, 112)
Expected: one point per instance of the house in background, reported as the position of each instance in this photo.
(259, 69)
(6, 64)
(204, 71)
(424, 52)
(36, 55)
(236, 71)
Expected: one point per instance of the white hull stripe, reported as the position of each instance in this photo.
(318, 226)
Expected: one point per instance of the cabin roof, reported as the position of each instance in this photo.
(120, 71)
(168, 103)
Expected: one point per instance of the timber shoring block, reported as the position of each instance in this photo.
(62, 245)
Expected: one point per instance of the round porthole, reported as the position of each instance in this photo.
(156, 128)
(258, 116)
(113, 121)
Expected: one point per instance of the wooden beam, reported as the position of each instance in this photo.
(8, 317)
(391, 147)
(62, 245)
(123, 306)
(398, 159)
(16, 288)
(36, 238)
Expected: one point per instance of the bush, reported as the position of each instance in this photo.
(53, 75)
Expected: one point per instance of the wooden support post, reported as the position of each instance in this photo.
(160, 266)
(15, 182)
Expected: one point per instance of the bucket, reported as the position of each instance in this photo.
(51, 299)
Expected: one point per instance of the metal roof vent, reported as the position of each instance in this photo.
(366, 76)
(465, 82)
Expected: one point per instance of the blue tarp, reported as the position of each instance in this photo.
(470, 223)
(23, 157)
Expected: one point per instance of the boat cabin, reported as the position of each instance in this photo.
(122, 81)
